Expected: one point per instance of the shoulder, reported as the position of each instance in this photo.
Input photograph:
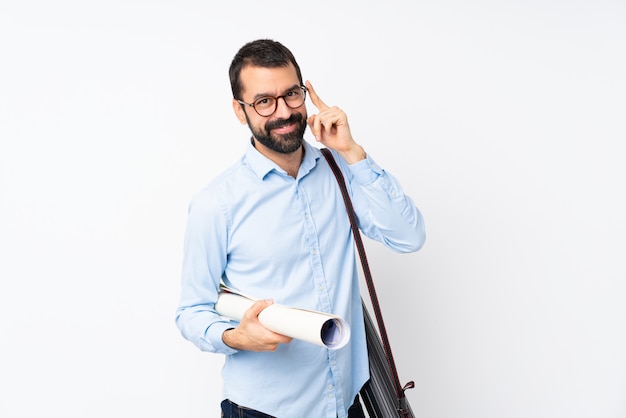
(226, 187)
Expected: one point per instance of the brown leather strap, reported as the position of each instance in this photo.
(368, 279)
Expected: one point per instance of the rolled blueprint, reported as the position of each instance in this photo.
(319, 328)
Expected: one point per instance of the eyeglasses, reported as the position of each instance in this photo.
(266, 106)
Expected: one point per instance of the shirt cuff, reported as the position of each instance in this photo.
(366, 171)
(214, 337)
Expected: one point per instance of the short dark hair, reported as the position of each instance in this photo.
(260, 53)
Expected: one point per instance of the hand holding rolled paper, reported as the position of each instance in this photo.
(319, 328)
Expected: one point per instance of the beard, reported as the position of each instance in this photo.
(286, 143)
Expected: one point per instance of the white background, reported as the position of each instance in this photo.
(504, 120)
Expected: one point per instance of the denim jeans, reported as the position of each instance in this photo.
(232, 410)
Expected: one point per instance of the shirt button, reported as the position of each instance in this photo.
(330, 387)
(314, 251)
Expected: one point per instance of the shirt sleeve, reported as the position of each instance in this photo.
(204, 260)
(385, 213)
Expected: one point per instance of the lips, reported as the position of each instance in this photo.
(284, 128)
(284, 125)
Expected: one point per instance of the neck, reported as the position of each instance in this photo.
(289, 162)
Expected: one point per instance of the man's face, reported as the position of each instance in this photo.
(282, 131)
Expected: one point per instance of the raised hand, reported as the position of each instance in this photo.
(330, 128)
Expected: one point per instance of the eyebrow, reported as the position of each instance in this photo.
(262, 95)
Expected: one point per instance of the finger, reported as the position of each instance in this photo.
(332, 118)
(285, 339)
(315, 99)
(276, 339)
(315, 125)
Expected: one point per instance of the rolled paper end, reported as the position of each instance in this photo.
(335, 333)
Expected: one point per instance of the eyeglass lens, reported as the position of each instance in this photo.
(265, 106)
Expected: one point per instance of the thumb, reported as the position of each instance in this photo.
(258, 306)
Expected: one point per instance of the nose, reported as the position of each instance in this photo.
(282, 110)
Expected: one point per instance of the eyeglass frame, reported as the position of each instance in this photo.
(252, 105)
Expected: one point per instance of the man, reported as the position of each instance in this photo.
(274, 226)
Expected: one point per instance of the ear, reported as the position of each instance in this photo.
(239, 112)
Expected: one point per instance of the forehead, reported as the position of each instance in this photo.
(267, 81)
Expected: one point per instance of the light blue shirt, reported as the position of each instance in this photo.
(271, 236)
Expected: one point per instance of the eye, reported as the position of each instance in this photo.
(294, 93)
(264, 102)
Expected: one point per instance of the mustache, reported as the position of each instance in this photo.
(279, 123)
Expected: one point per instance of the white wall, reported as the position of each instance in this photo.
(504, 120)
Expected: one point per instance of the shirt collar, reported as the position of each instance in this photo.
(261, 165)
